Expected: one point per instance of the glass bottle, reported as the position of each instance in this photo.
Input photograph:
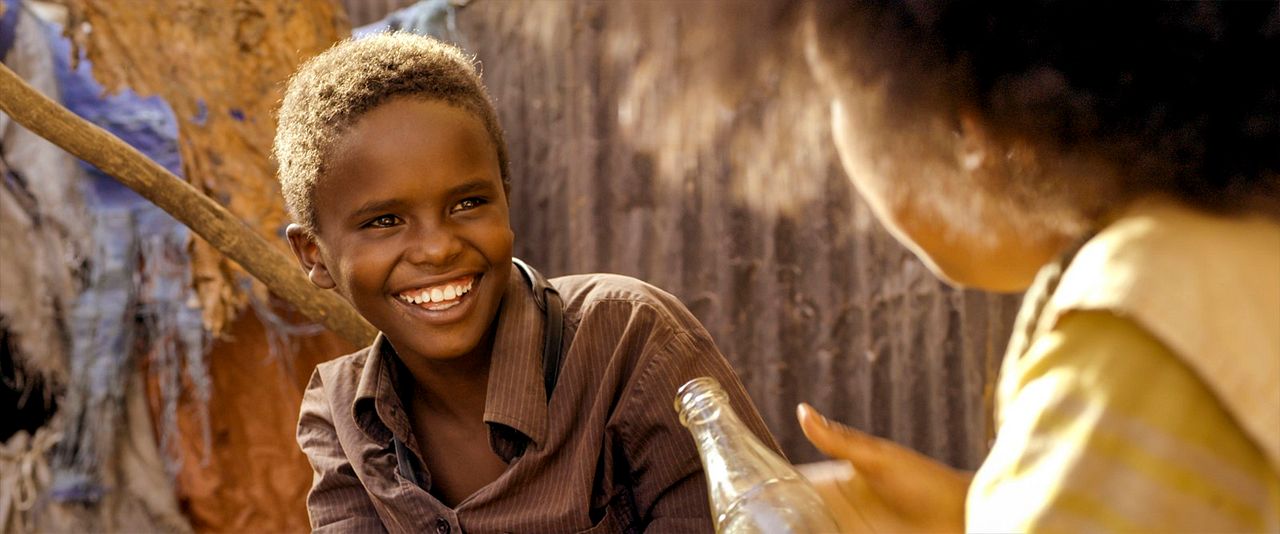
(752, 489)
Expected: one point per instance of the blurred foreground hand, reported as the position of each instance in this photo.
(881, 486)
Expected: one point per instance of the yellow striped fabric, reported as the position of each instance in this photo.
(1103, 429)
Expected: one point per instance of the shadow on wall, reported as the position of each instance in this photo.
(623, 160)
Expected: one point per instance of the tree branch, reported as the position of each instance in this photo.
(209, 220)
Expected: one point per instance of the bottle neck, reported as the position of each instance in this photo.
(734, 459)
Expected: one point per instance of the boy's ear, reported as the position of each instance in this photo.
(303, 243)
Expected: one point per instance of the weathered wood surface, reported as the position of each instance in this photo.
(741, 209)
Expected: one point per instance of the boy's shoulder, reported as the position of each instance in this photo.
(607, 286)
(588, 296)
(586, 291)
(340, 377)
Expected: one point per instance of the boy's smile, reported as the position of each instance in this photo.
(413, 229)
(440, 297)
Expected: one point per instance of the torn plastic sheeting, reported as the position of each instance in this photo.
(145, 123)
(437, 18)
(8, 25)
(102, 327)
(44, 230)
(43, 226)
(176, 340)
(137, 292)
(168, 309)
(181, 52)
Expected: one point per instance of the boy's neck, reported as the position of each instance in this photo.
(456, 387)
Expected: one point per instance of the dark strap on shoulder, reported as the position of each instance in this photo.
(552, 306)
(404, 464)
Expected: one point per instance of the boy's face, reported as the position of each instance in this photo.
(412, 227)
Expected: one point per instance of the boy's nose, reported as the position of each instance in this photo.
(433, 247)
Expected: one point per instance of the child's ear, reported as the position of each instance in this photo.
(303, 243)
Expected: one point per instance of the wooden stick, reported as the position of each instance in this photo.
(215, 224)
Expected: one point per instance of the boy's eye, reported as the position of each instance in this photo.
(385, 221)
(468, 204)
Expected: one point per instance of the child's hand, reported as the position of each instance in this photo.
(890, 489)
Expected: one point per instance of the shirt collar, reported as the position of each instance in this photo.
(515, 398)
(377, 409)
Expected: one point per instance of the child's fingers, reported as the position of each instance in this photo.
(839, 441)
(895, 487)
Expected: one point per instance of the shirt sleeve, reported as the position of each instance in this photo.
(670, 490)
(337, 501)
(1106, 430)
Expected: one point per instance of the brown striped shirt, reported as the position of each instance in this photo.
(606, 454)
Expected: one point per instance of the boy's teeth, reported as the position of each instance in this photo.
(438, 294)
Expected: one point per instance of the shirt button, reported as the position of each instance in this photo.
(442, 526)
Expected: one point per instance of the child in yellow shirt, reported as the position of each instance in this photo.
(1121, 164)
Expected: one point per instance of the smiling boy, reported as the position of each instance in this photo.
(394, 168)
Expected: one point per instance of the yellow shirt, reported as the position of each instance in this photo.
(1142, 393)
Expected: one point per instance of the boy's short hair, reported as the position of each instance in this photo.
(331, 91)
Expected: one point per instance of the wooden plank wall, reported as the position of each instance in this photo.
(738, 206)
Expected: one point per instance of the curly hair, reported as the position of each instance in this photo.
(1181, 98)
(331, 91)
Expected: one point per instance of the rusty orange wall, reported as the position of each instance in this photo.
(252, 477)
